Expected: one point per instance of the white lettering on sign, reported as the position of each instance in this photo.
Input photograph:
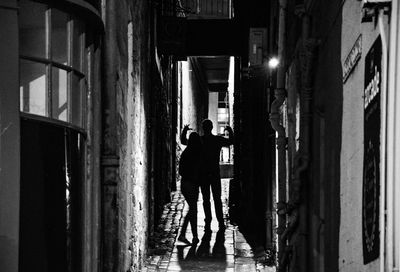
(372, 89)
(352, 58)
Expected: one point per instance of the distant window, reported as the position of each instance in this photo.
(223, 115)
(53, 54)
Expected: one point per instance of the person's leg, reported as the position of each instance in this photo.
(205, 191)
(185, 224)
(216, 191)
(192, 195)
(182, 236)
(193, 220)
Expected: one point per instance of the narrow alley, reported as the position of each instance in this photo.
(218, 250)
(270, 126)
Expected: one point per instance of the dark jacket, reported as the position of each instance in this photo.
(190, 165)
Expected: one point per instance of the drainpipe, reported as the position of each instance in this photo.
(297, 207)
(275, 118)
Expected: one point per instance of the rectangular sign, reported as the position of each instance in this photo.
(371, 167)
(352, 58)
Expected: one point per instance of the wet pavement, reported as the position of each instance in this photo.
(218, 250)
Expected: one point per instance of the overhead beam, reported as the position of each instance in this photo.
(212, 38)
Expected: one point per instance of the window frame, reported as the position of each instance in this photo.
(72, 70)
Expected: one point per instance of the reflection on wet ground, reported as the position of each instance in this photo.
(224, 250)
(216, 249)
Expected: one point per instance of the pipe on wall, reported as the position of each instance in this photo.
(296, 256)
(275, 119)
(305, 134)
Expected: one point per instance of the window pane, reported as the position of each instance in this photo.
(33, 87)
(59, 37)
(59, 95)
(77, 45)
(77, 98)
(223, 115)
(32, 36)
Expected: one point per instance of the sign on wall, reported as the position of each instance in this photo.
(372, 128)
(352, 58)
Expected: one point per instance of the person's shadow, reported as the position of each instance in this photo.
(191, 254)
(219, 250)
(203, 259)
(204, 249)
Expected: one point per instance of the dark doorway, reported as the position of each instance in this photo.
(51, 188)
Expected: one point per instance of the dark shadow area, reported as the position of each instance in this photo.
(250, 196)
(201, 258)
(219, 250)
(189, 256)
(204, 249)
(51, 179)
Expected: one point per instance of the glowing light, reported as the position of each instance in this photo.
(273, 62)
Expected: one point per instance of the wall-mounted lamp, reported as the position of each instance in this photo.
(273, 62)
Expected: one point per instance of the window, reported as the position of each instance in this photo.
(58, 69)
(53, 54)
(223, 112)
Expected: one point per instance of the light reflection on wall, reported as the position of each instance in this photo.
(186, 107)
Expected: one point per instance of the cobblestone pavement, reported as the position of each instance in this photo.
(218, 251)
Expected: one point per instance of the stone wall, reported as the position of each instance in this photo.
(136, 157)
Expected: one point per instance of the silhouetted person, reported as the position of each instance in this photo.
(210, 175)
(189, 169)
(219, 250)
(204, 249)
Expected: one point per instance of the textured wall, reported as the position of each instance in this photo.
(132, 137)
(350, 244)
(136, 134)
